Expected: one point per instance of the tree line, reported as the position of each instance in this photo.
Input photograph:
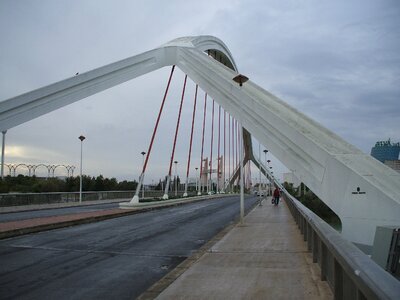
(33, 184)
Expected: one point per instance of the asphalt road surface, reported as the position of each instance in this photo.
(118, 258)
(23, 215)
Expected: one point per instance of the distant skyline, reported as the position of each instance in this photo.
(338, 62)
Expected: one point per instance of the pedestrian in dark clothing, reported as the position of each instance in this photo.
(276, 196)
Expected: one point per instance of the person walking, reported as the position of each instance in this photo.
(276, 195)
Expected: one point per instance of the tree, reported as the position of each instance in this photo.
(27, 184)
(312, 202)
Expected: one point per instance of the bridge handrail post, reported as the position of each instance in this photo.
(314, 247)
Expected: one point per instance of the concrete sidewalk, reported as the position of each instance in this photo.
(263, 258)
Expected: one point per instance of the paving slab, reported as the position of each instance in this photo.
(263, 258)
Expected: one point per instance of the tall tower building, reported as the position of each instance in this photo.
(385, 150)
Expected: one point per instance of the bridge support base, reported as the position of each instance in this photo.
(135, 200)
(131, 204)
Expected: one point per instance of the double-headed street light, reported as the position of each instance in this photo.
(82, 138)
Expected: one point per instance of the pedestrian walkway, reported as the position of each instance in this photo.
(263, 258)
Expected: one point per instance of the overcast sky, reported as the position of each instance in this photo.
(336, 61)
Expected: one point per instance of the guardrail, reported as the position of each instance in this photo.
(17, 199)
(349, 272)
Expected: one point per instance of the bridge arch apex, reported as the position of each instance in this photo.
(208, 44)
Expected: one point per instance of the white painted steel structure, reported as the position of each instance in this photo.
(363, 192)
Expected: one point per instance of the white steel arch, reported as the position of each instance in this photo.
(363, 192)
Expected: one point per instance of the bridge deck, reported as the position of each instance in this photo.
(265, 258)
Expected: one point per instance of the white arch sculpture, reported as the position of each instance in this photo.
(363, 192)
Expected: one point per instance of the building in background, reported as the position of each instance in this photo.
(385, 150)
(387, 153)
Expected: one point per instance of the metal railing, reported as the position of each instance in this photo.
(350, 273)
(17, 199)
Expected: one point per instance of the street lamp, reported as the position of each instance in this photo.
(176, 178)
(240, 79)
(80, 176)
(2, 153)
(270, 181)
(143, 154)
(197, 189)
(259, 169)
(265, 164)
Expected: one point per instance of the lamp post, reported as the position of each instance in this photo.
(197, 188)
(259, 169)
(143, 154)
(265, 164)
(2, 153)
(176, 178)
(270, 180)
(82, 138)
(241, 149)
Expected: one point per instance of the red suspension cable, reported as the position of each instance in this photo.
(202, 140)
(177, 126)
(191, 133)
(158, 120)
